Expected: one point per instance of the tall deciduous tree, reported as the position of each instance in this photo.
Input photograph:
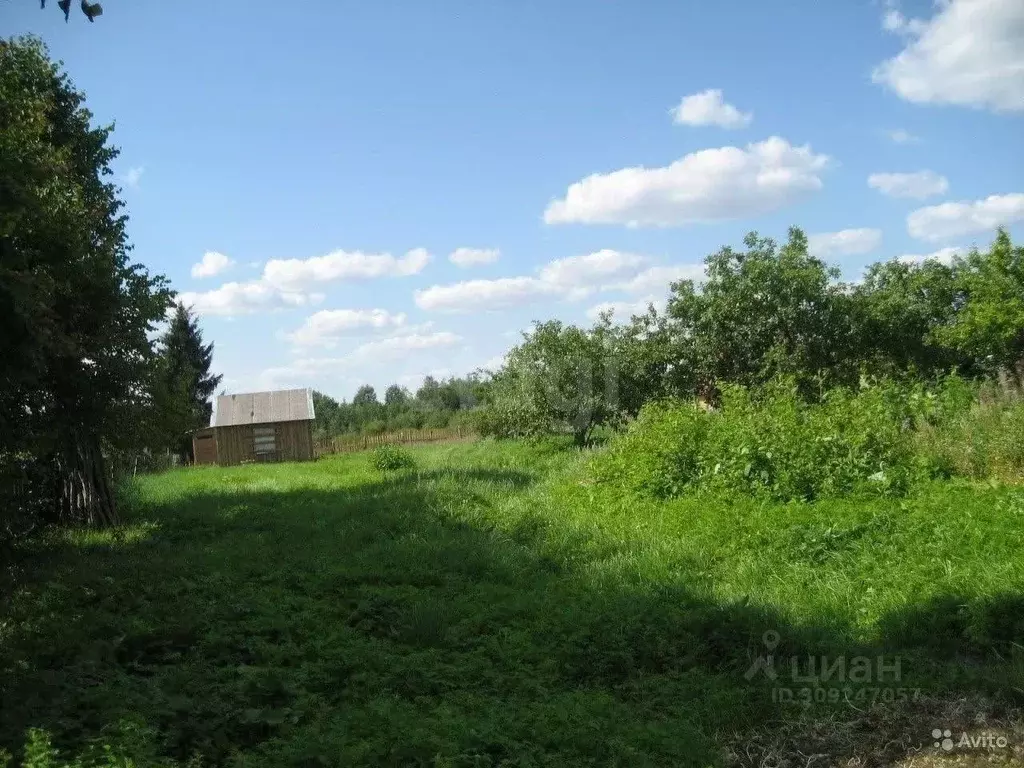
(762, 312)
(989, 325)
(561, 378)
(76, 359)
(187, 381)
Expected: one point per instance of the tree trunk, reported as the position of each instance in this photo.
(84, 488)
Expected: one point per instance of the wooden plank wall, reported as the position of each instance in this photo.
(293, 440)
(204, 446)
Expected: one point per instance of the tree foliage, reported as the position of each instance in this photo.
(76, 361)
(765, 313)
(184, 384)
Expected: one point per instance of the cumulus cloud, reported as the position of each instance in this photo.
(569, 278)
(288, 282)
(943, 256)
(213, 263)
(469, 257)
(656, 280)
(326, 327)
(709, 185)
(399, 346)
(578, 275)
(233, 299)
(301, 371)
(476, 295)
(917, 185)
(292, 274)
(624, 310)
(970, 53)
(940, 222)
(845, 242)
(709, 108)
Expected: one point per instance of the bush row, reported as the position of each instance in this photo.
(770, 442)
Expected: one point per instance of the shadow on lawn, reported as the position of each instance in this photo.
(394, 624)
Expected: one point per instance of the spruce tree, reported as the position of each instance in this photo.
(187, 384)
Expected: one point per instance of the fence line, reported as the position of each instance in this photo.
(352, 443)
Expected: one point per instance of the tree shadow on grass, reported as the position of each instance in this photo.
(409, 622)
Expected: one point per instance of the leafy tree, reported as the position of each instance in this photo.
(561, 378)
(896, 312)
(989, 326)
(76, 360)
(763, 312)
(396, 397)
(365, 395)
(185, 370)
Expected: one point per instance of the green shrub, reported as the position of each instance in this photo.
(389, 458)
(771, 443)
(981, 438)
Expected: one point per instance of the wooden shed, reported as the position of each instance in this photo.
(258, 426)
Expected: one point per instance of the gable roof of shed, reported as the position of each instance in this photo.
(263, 407)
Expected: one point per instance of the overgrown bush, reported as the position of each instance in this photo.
(770, 443)
(125, 745)
(390, 458)
(981, 438)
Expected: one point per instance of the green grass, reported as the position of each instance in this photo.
(493, 607)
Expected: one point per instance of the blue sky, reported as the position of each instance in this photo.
(324, 160)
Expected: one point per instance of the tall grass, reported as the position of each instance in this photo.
(985, 439)
(770, 443)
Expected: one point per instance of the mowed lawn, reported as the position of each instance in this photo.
(494, 607)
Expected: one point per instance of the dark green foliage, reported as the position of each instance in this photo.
(184, 382)
(389, 458)
(435, 405)
(761, 313)
(988, 327)
(76, 362)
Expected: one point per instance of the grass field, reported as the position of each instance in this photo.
(494, 607)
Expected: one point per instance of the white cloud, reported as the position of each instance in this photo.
(709, 185)
(578, 275)
(709, 108)
(302, 371)
(940, 222)
(285, 282)
(213, 263)
(399, 346)
(468, 257)
(133, 176)
(569, 278)
(943, 256)
(894, 21)
(656, 280)
(245, 298)
(624, 310)
(475, 295)
(292, 274)
(326, 327)
(846, 242)
(970, 53)
(900, 136)
(918, 185)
